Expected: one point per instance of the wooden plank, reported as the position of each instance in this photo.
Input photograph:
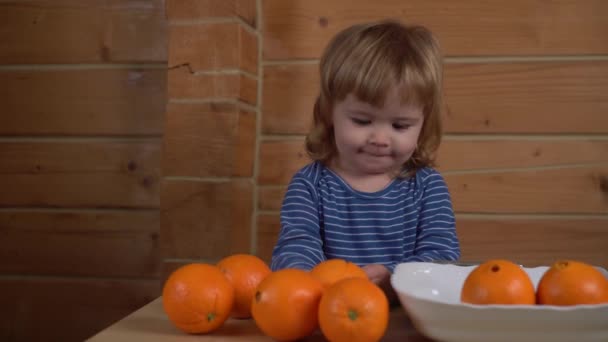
(288, 97)
(561, 190)
(457, 154)
(206, 220)
(269, 226)
(226, 45)
(270, 197)
(211, 9)
(67, 309)
(69, 31)
(301, 28)
(183, 84)
(480, 98)
(91, 243)
(83, 102)
(551, 97)
(532, 241)
(80, 173)
(280, 159)
(208, 140)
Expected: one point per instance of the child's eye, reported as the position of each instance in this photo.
(361, 122)
(400, 126)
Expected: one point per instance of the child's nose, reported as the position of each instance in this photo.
(379, 137)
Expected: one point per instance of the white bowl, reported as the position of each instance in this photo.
(430, 295)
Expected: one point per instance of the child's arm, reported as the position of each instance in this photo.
(299, 244)
(436, 237)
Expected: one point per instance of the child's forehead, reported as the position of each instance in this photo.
(392, 106)
(392, 95)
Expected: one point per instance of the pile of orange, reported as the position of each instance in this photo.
(565, 282)
(198, 298)
(289, 304)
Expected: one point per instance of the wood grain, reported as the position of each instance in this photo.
(183, 84)
(67, 309)
(534, 241)
(225, 46)
(80, 243)
(208, 140)
(211, 9)
(301, 28)
(528, 97)
(83, 102)
(563, 190)
(68, 31)
(288, 97)
(281, 159)
(206, 220)
(550, 97)
(458, 154)
(270, 197)
(80, 174)
(269, 226)
(531, 241)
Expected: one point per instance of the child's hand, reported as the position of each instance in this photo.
(381, 276)
(377, 273)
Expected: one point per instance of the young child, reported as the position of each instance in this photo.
(370, 195)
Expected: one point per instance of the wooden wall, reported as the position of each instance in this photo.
(525, 152)
(83, 89)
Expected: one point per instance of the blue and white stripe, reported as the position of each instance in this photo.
(322, 217)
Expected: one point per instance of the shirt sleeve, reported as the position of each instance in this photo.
(436, 237)
(299, 243)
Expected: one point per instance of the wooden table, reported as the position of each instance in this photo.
(150, 324)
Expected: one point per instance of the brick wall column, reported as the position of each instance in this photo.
(210, 131)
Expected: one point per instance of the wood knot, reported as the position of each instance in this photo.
(104, 53)
(132, 166)
(604, 184)
(323, 21)
(147, 182)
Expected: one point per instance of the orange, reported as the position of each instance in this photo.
(330, 271)
(197, 298)
(245, 272)
(569, 282)
(353, 310)
(498, 282)
(286, 304)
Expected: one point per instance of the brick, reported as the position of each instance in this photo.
(206, 220)
(208, 140)
(213, 46)
(183, 84)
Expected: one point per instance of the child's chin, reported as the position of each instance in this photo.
(378, 170)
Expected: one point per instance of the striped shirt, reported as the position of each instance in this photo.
(322, 217)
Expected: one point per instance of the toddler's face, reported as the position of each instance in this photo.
(372, 140)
